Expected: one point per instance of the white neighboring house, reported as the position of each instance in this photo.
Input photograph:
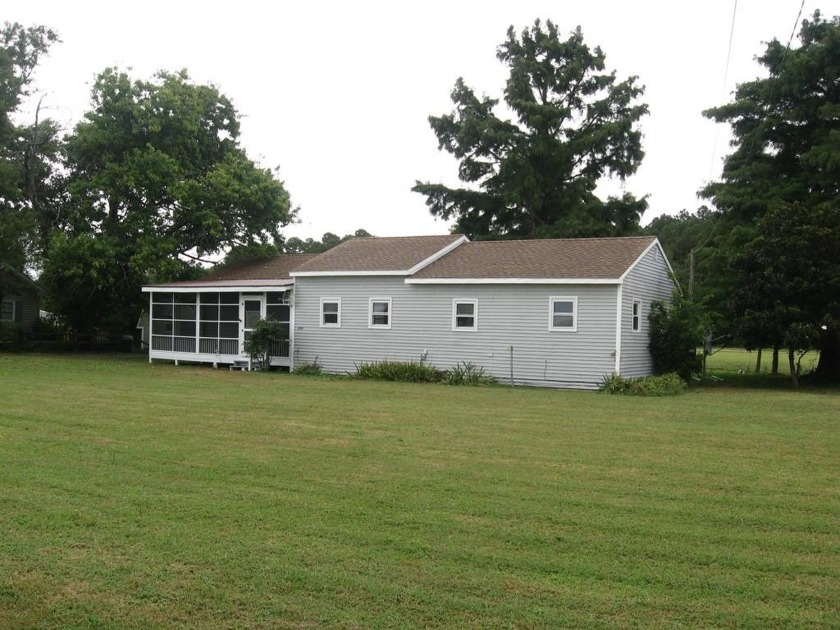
(554, 312)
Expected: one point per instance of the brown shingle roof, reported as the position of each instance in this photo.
(378, 254)
(268, 272)
(274, 268)
(584, 258)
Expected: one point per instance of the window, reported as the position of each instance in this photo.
(8, 311)
(563, 314)
(380, 313)
(464, 314)
(637, 316)
(330, 312)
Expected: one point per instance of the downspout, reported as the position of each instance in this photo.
(292, 329)
(618, 308)
(151, 295)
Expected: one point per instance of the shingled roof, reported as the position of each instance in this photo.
(382, 254)
(274, 271)
(579, 258)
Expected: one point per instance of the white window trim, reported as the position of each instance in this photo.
(455, 303)
(370, 313)
(329, 300)
(635, 320)
(562, 298)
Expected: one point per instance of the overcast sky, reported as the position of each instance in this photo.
(337, 94)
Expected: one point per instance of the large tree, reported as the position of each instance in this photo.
(786, 128)
(156, 178)
(535, 174)
(786, 154)
(27, 151)
(789, 289)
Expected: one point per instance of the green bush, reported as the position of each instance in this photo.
(467, 374)
(403, 371)
(676, 330)
(309, 369)
(662, 385)
(264, 336)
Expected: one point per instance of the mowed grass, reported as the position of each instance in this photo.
(155, 496)
(740, 361)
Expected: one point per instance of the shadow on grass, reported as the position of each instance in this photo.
(742, 380)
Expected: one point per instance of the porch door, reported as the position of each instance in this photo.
(252, 312)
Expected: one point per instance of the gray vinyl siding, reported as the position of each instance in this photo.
(421, 326)
(648, 281)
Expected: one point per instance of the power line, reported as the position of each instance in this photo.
(723, 87)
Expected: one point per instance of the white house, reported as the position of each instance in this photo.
(554, 312)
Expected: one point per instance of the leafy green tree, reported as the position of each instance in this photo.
(677, 329)
(786, 155)
(24, 169)
(789, 289)
(786, 128)
(295, 245)
(156, 172)
(535, 175)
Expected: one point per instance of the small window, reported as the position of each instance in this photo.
(637, 316)
(464, 314)
(330, 312)
(563, 314)
(380, 313)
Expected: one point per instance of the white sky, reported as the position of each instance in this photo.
(337, 94)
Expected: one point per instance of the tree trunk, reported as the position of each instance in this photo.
(758, 362)
(828, 368)
(775, 368)
(794, 378)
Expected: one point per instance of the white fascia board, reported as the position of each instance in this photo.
(271, 288)
(607, 281)
(328, 274)
(439, 254)
(655, 243)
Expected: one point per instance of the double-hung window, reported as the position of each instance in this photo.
(330, 312)
(464, 314)
(8, 311)
(562, 314)
(636, 318)
(380, 313)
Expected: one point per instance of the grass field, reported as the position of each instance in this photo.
(155, 496)
(740, 361)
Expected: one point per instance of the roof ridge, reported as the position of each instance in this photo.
(570, 238)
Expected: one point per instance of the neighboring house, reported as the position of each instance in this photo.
(556, 313)
(20, 298)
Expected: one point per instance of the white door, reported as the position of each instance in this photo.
(253, 310)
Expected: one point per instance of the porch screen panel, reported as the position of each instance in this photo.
(163, 321)
(219, 323)
(277, 308)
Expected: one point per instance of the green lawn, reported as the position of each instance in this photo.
(154, 496)
(742, 361)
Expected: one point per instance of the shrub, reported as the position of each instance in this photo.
(265, 335)
(406, 372)
(467, 374)
(662, 385)
(309, 369)
(676, 330)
